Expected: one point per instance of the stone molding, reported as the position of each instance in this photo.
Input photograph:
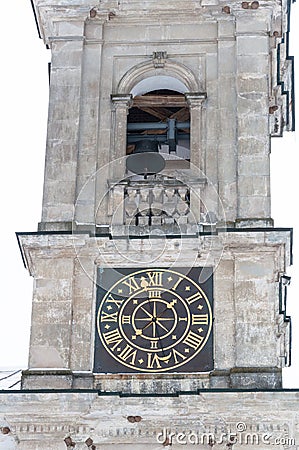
(170, 68)
(69, 244)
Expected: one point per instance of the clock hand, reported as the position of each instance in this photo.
(162, 326)
(154, 328)
(156, 319)
(151, 315)
(147, 325)
(154, 309)
(152, 322)
(160, 342)
(147, 313)
(169, 306)
(151, 307)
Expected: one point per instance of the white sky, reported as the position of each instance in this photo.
(23, 108)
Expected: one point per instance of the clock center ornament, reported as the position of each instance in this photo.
(153, 320)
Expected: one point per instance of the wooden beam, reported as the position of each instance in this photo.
(182, 115)
(160, 113)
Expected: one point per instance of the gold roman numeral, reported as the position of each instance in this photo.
(113, 337)
(126, 319)
(153, 360)
(176, 284)
(194, 298)
(200, 319)
(132, 284)
(155, 278)
(110, 299)
(154, 345)
(128, 353)
(193, 340)
(176, 355)
(106, 317)
(154, 294)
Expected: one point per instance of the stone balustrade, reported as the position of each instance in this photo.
(156, 204)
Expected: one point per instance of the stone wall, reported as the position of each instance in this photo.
(203, 420)
(250, 336)
(223, 54)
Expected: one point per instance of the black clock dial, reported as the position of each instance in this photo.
(153, 320)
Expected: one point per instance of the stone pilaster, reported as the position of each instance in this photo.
(253, 61)
(63, 128)
(195, 101)
(89, 122)
(121, 104)
(226, 155)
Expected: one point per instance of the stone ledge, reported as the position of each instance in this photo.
(47, 378)
(55, 226)
(247, 378)
(169, 383)
(254, 223)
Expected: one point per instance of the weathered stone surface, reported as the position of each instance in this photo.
(219, 57)
(246, 305)
(93, 56)
(248, 419)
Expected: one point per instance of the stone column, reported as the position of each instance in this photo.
(195, 101)
(121, 104)
(116, 170)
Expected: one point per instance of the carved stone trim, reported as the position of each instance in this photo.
(170, 68)
(195, 99)
(121, 100)
(159, 59)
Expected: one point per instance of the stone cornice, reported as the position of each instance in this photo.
(50, 12)
(101, 250)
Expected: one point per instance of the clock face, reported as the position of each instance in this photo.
(153, 320)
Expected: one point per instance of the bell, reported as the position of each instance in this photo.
(145, 146)
(145, 159)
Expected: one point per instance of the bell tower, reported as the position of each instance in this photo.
(157, 267)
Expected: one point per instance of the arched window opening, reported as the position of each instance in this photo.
(161, 116)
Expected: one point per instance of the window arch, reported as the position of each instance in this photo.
(174, 71)
(141, 79)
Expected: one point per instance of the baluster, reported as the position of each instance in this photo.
(131, 206)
